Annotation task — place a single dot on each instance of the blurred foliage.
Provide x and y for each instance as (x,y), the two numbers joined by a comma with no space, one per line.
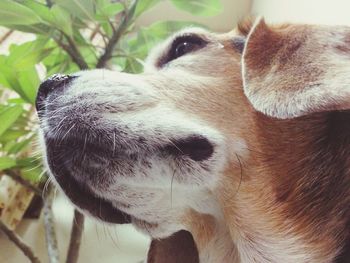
(69,35)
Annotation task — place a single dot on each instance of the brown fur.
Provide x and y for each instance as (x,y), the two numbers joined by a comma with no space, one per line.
(276,116)
(296,181)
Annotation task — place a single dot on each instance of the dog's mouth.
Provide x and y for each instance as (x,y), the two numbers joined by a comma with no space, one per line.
(84,199)
(81,168)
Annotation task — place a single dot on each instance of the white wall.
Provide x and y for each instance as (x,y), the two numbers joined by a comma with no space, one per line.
(308,11)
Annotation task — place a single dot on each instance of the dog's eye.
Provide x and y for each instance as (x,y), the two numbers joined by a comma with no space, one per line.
(184,45)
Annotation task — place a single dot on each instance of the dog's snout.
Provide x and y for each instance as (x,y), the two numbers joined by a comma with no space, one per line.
(54,83)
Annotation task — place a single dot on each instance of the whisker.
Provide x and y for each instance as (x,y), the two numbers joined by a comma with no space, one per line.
(84,146)
(171,189)
(58,125)
(97,234)
(172,143)
(111,237)
(68,131)
(241,177)
(113,143)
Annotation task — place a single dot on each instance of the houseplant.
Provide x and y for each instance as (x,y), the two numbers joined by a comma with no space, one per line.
(68,36)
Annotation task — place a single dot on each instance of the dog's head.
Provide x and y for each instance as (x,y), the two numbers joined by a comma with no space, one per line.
(165,149)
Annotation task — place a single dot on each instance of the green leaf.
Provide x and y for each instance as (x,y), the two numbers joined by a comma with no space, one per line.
(60,67)
(28,54)
(55,57)
(3,80)
(31,169)
(29,82)
(27,162)
(107,28)
(41,29)
(61,19)
(33,174)
(16,101)
(7,146)
(11,135)
(144,5)
(12,80)
(133,66)
(19,146)
(8,116)
(38,8)
(106,10)
(13,13)
(18,68)
(199,7)
(83,9)
(6,163)
(89,56)
(25,82)
(119,63)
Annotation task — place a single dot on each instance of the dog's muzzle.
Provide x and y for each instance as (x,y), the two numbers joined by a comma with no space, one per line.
(55,83)
(77,193)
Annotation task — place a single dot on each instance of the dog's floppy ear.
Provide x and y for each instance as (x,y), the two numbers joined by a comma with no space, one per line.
(178,248)
(294,70)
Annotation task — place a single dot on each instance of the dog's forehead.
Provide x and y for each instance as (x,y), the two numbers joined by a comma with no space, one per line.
(159,50)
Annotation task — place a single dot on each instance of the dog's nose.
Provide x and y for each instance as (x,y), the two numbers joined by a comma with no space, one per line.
(54,83)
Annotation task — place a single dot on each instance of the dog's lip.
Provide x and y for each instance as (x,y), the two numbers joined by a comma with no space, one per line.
(87,201)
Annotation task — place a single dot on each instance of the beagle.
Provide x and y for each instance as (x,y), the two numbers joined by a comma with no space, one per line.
(228,148)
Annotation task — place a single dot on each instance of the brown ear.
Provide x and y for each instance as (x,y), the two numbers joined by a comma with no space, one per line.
(294,70)
(178,248)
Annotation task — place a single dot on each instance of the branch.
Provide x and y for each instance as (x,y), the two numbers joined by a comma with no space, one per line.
(71,49)
(48,3)
(107,55)
(15,175)
(50,234)
(6,36)
(75,237)
(94,33)
(73,52)
(27,251)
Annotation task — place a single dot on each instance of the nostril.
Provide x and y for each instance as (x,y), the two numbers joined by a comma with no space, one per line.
(55,82)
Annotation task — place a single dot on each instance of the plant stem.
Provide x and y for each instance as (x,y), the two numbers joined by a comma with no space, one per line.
(5,36)
(73,52)
(78,219)
(113,41)
(75,237)
(15,175)
(50,233)
(94,33)
(48,3)
(27,251)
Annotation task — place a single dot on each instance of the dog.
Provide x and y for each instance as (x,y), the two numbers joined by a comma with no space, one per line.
(229,147)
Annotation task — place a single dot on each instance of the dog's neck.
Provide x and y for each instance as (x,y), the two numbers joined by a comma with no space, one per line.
(293,203)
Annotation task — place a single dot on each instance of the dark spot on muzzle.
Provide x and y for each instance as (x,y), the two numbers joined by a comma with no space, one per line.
(198,148)
(55,83)
(85,200)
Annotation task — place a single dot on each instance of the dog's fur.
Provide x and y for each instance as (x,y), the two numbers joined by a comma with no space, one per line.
(272,103)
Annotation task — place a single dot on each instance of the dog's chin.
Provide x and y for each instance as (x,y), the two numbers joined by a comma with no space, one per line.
(85,200)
